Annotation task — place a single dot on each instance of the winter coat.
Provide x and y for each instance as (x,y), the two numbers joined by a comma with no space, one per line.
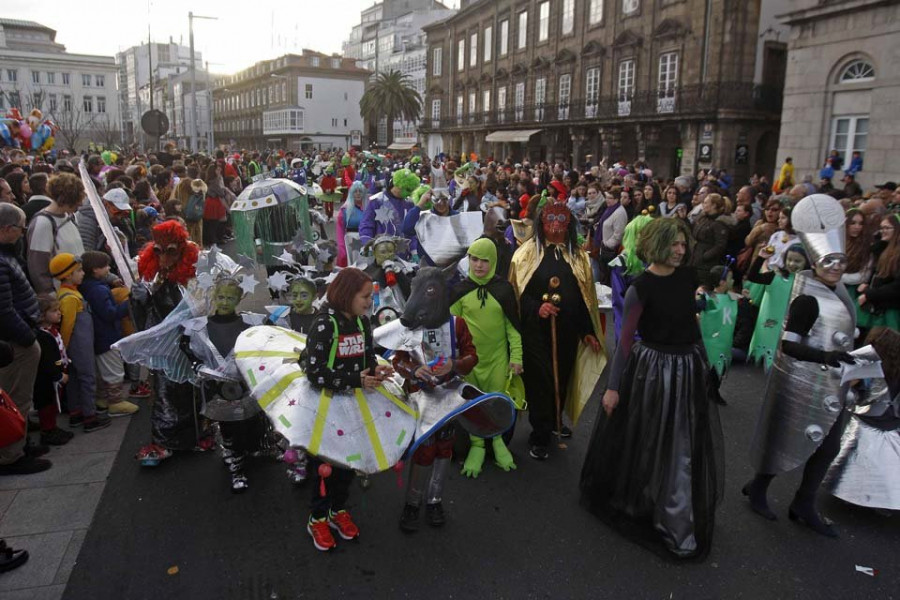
(19,311)
(711,235)
(107,315)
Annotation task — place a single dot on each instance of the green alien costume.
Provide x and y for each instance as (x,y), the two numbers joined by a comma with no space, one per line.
(488,305)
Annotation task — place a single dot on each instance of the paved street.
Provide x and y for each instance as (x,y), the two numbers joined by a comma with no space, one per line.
(521,534)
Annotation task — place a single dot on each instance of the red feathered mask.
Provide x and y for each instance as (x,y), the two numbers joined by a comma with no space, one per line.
(170,238)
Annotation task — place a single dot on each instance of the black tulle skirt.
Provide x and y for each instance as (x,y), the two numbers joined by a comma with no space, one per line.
(654,469)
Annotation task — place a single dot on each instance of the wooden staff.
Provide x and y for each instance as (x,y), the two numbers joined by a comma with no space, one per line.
(555,299)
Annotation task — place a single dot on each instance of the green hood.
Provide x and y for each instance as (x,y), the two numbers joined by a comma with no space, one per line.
(485,250)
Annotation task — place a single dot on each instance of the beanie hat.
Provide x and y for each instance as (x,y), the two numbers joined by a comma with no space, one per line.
(62,265)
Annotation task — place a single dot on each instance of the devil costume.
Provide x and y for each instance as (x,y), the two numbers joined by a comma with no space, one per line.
(803,416)
(534,265)
(653,469)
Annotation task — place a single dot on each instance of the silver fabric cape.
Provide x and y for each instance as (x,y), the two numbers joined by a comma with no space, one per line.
(447,239)
(867,470)
(804,399)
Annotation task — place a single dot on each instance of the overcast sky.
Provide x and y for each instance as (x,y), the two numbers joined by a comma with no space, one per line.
(245,32)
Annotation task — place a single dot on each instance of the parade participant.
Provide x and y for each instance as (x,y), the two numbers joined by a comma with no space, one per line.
(208,342)
(653,467)
(495,225)
(803,414)
(348,174)
(551,276)
(866,470)
(624,270)
(329,185)
(340,356)
(390,276)
(445,354)
(386,211)
(717,321)
(348,220)
(778,284)
(371,178)
(484,301)
(434,202)
(165,266)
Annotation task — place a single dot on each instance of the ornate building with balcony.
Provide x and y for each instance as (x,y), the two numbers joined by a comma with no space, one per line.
(293,102)
(682,84)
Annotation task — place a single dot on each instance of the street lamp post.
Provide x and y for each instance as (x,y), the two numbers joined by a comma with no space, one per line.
(191,17)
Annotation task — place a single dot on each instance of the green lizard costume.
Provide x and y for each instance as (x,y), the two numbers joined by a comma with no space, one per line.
(772,311)
(489,307)
(717,326)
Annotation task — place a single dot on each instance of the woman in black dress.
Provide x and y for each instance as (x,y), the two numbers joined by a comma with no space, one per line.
(653,467)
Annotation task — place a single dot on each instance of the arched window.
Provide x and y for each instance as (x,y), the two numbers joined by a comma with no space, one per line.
(857,71)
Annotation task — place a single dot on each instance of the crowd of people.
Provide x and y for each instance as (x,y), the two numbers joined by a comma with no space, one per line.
(699,270)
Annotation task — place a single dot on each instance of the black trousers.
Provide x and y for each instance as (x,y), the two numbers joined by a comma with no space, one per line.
(337,488)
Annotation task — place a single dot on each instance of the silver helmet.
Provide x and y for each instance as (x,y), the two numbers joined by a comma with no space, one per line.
(818,221)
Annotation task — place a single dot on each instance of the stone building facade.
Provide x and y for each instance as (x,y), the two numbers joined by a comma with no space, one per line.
(842,88)
(674,82)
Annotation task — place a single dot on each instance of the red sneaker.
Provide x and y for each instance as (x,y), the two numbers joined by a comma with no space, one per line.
(141,390)
(321,534)
(341,522)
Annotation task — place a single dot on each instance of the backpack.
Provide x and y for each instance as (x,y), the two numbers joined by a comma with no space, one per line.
(193,211)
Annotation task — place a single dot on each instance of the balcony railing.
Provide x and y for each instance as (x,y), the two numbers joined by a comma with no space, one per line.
(684,101)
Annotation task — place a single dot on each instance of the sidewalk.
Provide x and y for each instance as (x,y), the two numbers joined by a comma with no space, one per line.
(49,513)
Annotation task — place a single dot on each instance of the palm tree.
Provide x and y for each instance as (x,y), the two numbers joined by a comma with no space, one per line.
(391,95)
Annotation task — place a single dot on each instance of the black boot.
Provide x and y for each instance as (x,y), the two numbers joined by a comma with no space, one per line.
(803,510)
(409,520)
(756,490)
(10,559)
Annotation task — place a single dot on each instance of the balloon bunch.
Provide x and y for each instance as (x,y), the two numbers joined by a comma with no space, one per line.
(32,133)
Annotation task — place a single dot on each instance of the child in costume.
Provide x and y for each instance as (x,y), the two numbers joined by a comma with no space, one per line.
(867,470)
(329,184)
(445,354)
(51,374)
(391,275)
(208,342)
(77,332)
(488,305)
(717,320)
(386,210)
(774,301)
(165,267)
(340,356)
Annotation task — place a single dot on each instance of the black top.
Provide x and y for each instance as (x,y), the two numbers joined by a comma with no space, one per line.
(669,308)
(663,309)
(354,351)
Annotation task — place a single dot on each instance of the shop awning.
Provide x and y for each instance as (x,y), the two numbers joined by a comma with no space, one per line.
(402,146)
(517,135)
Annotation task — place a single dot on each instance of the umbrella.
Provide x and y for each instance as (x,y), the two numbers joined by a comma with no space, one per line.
(268,192)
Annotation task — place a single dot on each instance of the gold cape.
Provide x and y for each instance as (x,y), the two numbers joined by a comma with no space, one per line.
(588,365)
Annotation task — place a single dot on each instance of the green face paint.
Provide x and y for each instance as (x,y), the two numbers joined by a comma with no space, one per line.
(226,298)
(383,252)
(302,299)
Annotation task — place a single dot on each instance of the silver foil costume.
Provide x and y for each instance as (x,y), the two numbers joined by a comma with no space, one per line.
(804,399)
(867,470)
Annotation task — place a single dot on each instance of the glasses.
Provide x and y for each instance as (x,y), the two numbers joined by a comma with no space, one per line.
(831,262)
(558,218)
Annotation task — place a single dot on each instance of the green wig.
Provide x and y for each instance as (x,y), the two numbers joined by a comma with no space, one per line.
(633,264)
(418,192)
(656,239)
(406,180)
